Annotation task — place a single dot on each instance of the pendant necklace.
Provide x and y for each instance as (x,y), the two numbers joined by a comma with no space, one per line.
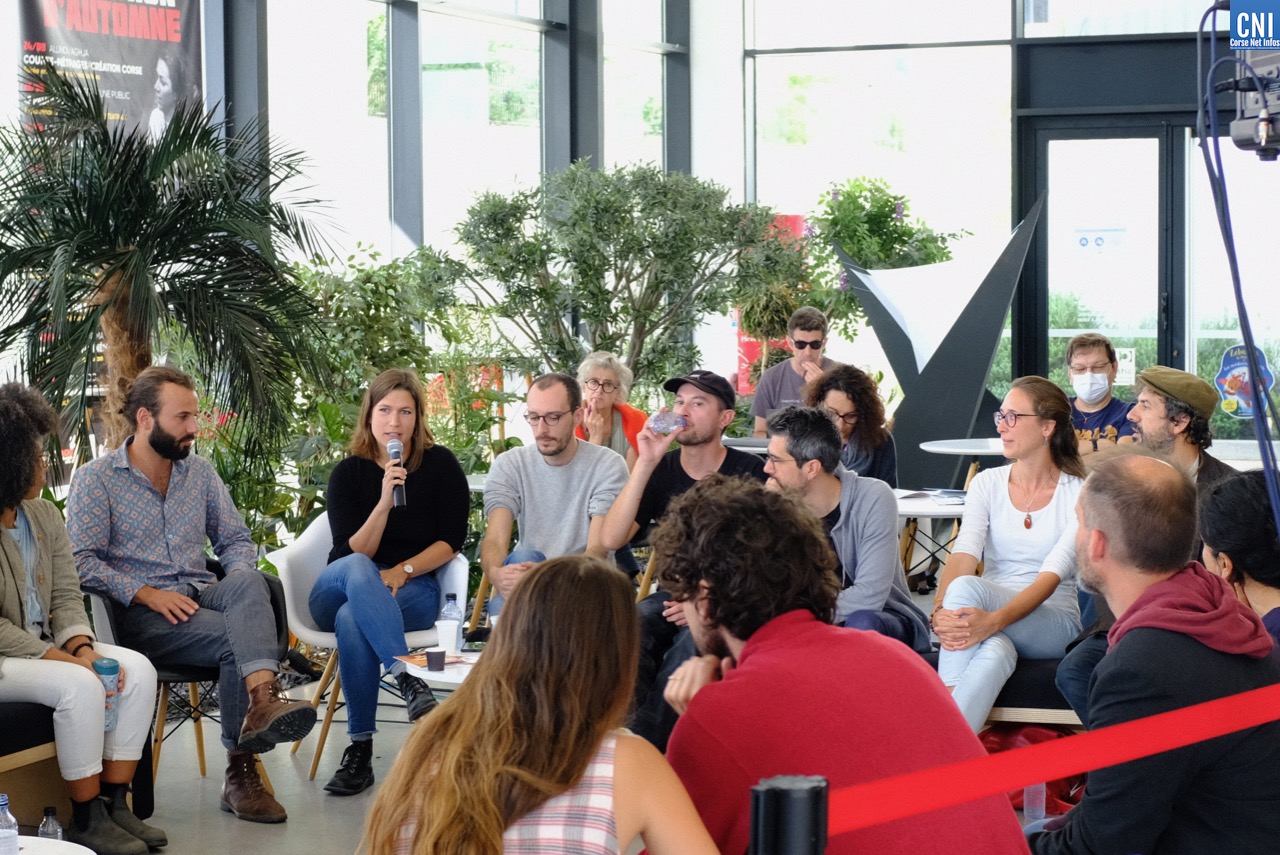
(1026,521)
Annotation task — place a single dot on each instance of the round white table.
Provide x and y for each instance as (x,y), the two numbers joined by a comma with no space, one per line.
(913,509)
(41,846)
(448,679)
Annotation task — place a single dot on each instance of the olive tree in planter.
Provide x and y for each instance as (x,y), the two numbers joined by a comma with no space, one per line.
(104,232)
(626,260)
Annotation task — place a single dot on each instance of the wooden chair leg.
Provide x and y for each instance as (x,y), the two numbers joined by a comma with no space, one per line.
(328,720)
(907,544)
(330,669)
(157,739)
(482,594)
(646,582)
(262,773)
(193,692)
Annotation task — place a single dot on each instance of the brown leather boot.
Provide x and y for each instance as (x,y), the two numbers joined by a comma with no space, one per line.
(272,718)
(243,793)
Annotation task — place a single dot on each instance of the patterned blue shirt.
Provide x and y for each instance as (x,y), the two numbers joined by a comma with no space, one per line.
(125,535)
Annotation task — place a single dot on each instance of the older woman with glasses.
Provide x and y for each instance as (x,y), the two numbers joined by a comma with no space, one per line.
(852,400)
(606,417)
(1020,521)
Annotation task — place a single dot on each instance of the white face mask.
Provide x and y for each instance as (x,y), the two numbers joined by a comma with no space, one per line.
(1090,388)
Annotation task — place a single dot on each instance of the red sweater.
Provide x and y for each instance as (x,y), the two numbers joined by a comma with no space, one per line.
(812,699)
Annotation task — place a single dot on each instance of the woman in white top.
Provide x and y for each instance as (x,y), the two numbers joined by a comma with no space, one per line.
(1020,521)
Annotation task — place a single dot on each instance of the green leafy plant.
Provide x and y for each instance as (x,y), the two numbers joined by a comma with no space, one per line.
(873,226)
(625,260)
(109,239)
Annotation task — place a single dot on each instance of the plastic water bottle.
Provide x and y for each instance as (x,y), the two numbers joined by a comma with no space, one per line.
(452,611)
(1033,802)
(665,421)
(50,828)
(8,828)
(108,671)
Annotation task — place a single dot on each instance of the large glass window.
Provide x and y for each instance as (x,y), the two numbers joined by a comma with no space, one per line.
(481,115)
(823,118)
(1102,231)
(786,23)
(319,58)
(1213,323)
(632,81)
(1106,17)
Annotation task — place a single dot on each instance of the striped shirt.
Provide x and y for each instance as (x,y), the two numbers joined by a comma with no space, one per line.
(579,821)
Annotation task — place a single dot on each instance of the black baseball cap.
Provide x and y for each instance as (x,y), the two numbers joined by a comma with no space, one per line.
(708,381)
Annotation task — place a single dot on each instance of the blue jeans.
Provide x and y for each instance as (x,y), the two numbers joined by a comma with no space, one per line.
(887,623)
(234,629)
(1075,671)
(518,556)
(979,673)
(350,599)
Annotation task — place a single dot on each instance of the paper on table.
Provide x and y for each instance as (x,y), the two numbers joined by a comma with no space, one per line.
(420,659)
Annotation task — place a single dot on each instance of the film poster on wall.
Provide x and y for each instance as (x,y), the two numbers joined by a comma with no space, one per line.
(144,55)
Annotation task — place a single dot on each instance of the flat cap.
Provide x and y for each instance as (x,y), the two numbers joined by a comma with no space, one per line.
(1181,386)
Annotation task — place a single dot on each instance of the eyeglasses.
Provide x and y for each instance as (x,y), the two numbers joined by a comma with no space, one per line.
(1096,368)
(593,384)
(775,459)
(848,418)
(801,345)
(552,419)
(1010,418)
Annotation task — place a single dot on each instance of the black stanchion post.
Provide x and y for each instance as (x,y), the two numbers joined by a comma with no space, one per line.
(789,816)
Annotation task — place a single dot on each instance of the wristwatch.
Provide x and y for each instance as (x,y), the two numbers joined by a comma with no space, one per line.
(408,569)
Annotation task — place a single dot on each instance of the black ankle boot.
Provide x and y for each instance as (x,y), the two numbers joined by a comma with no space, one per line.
(355,775)
(418,699)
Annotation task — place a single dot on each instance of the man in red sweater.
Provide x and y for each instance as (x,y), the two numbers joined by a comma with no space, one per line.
(780,691)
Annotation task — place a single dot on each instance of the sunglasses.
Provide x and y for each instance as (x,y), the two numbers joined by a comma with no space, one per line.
(801,345)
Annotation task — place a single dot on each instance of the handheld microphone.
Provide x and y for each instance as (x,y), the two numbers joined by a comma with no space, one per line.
(395,448)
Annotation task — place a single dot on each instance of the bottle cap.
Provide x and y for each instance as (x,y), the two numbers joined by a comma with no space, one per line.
(50,811)
(106,667)
(448,597)
(4,800)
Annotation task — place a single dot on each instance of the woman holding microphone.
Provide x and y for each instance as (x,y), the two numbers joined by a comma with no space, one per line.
(398,512)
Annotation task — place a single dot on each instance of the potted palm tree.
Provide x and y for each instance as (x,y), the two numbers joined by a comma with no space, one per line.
(109,240)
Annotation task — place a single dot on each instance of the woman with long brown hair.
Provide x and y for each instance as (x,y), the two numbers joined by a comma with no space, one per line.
(381,577)
(1020,521)
(528,750)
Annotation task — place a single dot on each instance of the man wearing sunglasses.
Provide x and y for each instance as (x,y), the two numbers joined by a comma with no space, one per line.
(558,489)
(780,386)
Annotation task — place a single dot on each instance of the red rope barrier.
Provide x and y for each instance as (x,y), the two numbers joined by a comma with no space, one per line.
(906,795)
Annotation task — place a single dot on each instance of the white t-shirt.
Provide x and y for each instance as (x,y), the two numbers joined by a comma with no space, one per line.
(993,531)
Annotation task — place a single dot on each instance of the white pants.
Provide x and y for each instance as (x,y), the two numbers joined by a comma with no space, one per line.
(79,706)
(978,673)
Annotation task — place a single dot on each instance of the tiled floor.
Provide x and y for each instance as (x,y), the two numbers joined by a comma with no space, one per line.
(187,806)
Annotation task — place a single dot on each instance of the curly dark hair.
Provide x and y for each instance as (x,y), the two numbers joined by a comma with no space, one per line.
(1199,432)
(870,432)
(761,554)
(25,417)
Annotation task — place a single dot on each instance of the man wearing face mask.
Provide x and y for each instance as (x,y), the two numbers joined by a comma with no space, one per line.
(1097,416)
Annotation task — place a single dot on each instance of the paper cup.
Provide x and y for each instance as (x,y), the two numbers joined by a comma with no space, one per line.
(435,659)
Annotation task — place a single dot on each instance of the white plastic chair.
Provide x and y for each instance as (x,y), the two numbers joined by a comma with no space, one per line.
(299,565)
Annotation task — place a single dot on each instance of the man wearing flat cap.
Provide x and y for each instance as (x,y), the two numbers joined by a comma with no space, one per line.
(1171,420)
(705,401)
